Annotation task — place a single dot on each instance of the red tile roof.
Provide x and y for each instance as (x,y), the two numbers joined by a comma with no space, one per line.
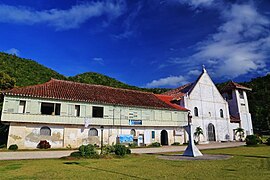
(73,91)
(168,99)
(232,85)
(179,92)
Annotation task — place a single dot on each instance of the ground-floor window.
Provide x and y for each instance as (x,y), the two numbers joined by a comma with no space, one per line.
(45,131)
(93,132)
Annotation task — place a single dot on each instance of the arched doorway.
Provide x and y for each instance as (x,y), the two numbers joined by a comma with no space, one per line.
(211,132)
(164,137)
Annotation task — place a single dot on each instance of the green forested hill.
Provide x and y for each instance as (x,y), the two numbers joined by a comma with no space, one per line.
(259,102)
(96,78)
(26,72)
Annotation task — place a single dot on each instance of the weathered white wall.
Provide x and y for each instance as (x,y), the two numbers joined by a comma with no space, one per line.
(62,136)
(206,97)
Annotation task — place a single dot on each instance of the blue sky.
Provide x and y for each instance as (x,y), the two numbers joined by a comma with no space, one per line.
(147,43)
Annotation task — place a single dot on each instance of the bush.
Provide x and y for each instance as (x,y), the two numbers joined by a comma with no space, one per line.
(44,145)
(132,145)
(155,144)
(76,154)
(121,150)
(176,144)
(128,151)
(88,151)
(13,147)
(108,149)
(252,140)
(268,141)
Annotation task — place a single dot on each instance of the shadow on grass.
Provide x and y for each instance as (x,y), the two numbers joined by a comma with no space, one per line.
(104,170)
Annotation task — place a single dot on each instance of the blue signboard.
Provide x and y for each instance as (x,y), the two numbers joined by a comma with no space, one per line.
(126,138)
(135,122)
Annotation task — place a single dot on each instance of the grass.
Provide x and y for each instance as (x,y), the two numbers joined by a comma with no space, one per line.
(246,163)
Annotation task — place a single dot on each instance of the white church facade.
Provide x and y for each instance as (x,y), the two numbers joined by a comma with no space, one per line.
(219,114)
(69,114)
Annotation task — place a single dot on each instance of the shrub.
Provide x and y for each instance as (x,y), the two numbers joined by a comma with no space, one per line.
(132,145)
(108,149)
(155,144)
(120,149)
(76,154)
(268,141)
(176,144)
(252,140)
(3,146)
(44,145)
(88,151)
(13,147)
(128,151)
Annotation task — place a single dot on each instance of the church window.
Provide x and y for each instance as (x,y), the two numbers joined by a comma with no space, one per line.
(196,112)
(241,94)
(93,132)
(45,131)
(221,113)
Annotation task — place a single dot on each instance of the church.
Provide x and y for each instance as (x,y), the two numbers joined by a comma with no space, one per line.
(69,114)
(218,113)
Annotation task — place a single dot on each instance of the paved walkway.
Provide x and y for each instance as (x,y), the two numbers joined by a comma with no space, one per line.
(58,154)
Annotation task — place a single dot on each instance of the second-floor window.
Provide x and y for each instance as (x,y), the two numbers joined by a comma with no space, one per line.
(50,108)
(77,110)
(22,107)
(221,113)
(241,94)
(97,112)
(196,112)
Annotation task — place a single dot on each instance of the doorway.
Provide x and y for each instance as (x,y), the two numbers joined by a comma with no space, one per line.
(164,137)
(211,132)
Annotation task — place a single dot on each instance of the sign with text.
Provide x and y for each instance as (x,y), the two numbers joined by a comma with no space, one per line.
(135,122)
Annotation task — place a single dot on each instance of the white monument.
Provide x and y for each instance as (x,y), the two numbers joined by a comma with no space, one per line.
(191,149)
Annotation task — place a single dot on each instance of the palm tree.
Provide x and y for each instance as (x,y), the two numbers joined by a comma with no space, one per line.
(240,131)
(198,132)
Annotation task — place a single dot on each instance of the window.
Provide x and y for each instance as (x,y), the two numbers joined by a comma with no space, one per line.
(153,134)
(133,132)
(241,94)
(22,107)
(77,110)
(221,113)
(93,132)
(196,112)
(45,131)
(97,112)
(50,108)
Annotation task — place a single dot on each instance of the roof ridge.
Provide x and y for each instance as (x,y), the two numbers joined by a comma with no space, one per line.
(99,85)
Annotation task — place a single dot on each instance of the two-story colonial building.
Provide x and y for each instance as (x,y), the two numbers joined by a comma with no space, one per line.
(71,114)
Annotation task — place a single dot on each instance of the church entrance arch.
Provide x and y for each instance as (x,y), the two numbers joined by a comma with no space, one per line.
(211,132)
(164,137)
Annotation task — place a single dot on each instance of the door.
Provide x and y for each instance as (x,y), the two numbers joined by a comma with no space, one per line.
(211,132)
(164,137)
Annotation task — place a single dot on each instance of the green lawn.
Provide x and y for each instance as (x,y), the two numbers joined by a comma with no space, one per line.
(247,163)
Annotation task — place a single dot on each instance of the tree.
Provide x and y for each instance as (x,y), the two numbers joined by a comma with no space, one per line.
(198,132)
(240,132)
(6,82)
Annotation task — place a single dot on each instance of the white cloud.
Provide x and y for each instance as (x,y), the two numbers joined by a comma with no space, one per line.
(194,72)
(13,51)
(197,3)
(98,60)
(171,81)
(61,19)
(240,45)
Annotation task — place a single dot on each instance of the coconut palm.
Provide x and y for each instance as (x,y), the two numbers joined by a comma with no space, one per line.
(240,132)
(198,132)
